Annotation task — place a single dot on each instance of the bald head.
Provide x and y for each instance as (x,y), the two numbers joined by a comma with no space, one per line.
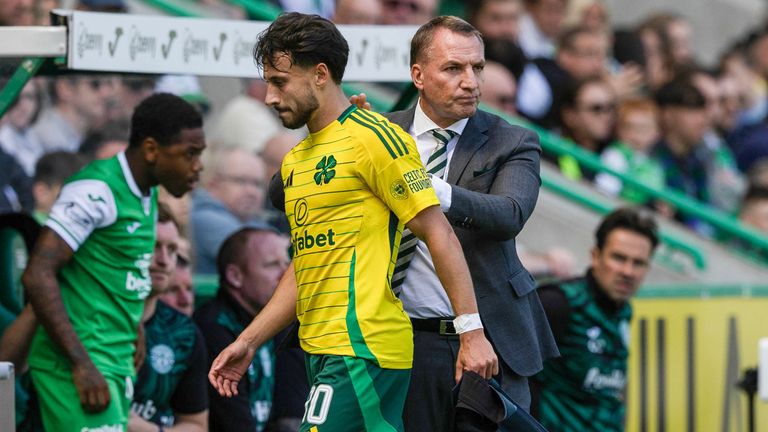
(499,88)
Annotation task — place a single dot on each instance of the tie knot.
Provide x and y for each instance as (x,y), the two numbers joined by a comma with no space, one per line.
(443,135)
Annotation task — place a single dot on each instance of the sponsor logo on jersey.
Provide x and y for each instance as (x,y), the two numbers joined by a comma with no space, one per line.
(595,345)
(307,240)
(162,358)
(145,410)
(325,170)
(599,381)
(141,283)
(300,212)
(399,190)
(104,428)
(417,180)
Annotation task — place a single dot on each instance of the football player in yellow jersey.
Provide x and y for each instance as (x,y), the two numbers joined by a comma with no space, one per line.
(349,187)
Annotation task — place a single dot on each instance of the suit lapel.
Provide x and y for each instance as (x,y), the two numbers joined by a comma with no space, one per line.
(473,138)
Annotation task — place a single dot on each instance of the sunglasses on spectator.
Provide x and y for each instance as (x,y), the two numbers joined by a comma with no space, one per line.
(599,108)
(411,5)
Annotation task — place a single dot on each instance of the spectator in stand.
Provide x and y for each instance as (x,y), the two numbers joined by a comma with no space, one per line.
(15,186)
(726,184)
(659,66)
(684,121)
(51,171)
(129,91)
(245,121)
(408,12)
(732,105)
(17,13)
(674,33)
(496,19)
(582,54)
(170,390)
(591,14)
(637,131)
(541,26)
(357,12)
(181,292)
(588,118)
(16,138)
(754,208)
(275,150)
(499,23)
(250,264)
(79,106)
(232,197)
(107,141)
(498,89)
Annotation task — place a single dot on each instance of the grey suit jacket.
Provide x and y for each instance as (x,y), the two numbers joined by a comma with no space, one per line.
(494,176)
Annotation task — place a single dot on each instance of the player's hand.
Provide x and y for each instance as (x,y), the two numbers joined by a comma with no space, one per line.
(141,348)
(230,366)
(476,354)
(360,100)
(91,387)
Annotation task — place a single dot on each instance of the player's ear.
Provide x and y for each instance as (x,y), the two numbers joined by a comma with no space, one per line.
(150,148)
(233,276)
(417,76)
(322,74)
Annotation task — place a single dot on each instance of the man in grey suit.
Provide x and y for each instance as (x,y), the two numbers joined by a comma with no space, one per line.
(487,190)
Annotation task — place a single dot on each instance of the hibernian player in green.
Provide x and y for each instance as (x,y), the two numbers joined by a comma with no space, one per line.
(88,274)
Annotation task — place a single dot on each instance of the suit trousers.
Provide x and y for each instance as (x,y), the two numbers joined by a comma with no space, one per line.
(429,406)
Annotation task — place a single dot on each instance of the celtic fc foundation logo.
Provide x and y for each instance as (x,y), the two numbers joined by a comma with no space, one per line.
(325,172)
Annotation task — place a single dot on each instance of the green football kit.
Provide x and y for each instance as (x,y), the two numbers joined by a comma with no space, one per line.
(110,227)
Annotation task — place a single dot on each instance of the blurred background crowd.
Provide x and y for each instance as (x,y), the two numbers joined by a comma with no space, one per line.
(635,96)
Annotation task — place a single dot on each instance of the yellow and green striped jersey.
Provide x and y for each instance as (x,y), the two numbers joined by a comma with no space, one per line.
(348,190)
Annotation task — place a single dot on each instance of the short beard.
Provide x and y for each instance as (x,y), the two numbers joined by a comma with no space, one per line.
(303,114)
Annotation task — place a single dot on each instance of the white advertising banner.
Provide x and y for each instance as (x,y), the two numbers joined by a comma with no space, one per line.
(152,44)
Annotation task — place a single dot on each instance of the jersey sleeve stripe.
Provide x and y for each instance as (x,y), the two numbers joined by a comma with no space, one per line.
(381,127)
(384,125)
(381,138)
(63,232)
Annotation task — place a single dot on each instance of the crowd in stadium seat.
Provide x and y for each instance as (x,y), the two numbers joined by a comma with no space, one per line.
(634,97)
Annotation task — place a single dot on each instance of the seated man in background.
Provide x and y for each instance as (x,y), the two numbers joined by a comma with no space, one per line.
(232,197)
(250,263)
(170,390)
(51,171)
(181,292)
(584,388)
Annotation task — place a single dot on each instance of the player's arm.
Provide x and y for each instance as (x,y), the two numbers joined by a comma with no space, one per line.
(50,254)
(229,366)
(14,345)
(500,210)
(475,353)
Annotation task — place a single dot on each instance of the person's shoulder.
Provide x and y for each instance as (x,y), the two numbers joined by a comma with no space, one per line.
(206,315)
(496,124)
(376,133)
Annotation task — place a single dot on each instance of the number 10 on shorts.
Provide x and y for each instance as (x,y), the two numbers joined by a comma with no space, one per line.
(317,404)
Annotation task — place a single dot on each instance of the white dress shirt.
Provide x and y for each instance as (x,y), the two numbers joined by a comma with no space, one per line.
(422,293)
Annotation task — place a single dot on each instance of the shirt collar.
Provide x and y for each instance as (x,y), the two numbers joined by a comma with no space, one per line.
(129,175)
(423,124)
